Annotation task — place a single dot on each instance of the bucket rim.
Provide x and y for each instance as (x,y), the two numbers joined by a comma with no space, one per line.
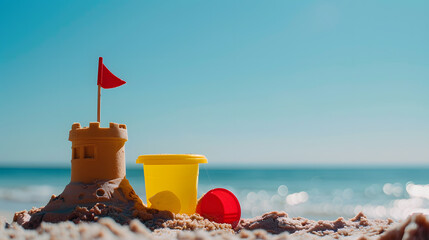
(171,159)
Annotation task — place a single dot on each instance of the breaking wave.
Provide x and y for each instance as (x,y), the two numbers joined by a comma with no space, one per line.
(28,194)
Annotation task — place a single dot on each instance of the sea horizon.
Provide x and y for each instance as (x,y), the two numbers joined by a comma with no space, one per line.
(246,166)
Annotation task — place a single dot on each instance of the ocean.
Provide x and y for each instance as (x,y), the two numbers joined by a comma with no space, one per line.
(311,193)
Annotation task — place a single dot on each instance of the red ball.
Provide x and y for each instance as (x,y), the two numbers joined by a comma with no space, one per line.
(221,206)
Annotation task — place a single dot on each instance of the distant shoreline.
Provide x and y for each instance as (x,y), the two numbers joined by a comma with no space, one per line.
(255,167)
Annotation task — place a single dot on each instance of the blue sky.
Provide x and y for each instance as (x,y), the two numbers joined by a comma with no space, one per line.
(243,82)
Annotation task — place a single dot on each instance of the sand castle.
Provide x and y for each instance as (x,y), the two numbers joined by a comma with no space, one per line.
(98,185)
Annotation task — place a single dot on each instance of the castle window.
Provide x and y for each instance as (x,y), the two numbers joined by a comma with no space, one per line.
(76,153)
(88,151)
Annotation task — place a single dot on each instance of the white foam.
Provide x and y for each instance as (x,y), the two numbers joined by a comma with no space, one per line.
(28,194)
(376,201)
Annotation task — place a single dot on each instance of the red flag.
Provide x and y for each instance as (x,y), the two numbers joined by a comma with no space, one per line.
(106,79)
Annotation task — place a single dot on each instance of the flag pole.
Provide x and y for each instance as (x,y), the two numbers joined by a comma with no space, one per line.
(98,103)
(100,73)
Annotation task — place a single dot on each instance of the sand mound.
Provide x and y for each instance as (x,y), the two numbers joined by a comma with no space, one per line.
(115,199)
(278,222)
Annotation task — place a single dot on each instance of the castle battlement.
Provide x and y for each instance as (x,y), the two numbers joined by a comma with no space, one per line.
(94,131)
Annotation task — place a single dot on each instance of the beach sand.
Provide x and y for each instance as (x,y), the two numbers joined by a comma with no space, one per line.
(273,225)
(6,216)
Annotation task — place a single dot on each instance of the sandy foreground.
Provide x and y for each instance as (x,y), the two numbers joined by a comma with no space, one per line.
(273,225)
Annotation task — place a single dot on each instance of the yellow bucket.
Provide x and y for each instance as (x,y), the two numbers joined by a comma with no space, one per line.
(171,181)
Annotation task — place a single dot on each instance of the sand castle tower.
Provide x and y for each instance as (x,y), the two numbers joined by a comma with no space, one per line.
(97,153)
